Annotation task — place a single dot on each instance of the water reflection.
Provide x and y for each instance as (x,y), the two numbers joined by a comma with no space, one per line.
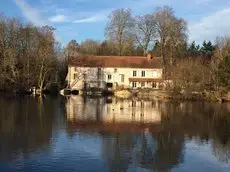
(96,134)
(166,128)
(25,126)
(113,114)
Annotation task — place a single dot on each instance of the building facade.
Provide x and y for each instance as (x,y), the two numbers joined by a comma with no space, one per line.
(115,72)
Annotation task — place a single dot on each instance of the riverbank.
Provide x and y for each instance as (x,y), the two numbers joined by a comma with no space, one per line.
(171,95)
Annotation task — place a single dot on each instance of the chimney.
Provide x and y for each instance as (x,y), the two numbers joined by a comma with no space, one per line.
(149,56)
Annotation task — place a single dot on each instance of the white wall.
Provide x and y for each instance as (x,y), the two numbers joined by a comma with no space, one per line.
(128,73)
(91,75)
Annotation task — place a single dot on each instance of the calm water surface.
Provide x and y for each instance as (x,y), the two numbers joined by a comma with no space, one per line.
(86,134)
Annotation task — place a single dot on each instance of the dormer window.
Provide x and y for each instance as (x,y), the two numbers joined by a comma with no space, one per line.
(143,73)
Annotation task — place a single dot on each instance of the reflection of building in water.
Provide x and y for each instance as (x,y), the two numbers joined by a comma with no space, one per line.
(131,111)
(82,108)
(119,111)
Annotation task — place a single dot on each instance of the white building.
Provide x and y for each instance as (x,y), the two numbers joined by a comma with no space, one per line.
(115,72)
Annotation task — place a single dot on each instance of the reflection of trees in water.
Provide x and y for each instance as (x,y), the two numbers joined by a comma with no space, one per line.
(161,151)
(207,121)
(222,152)
(25,125)
(169,151)
(221,139)
(116,150)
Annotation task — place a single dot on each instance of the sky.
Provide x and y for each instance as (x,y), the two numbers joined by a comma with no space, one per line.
(82,19)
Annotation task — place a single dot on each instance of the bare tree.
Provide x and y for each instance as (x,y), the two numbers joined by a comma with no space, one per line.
(145,28)
(222,50)
(72,48)
(89,47)
(170,32)
(191,74)
(120,27)
(10,34)
(46,56)
(107,48)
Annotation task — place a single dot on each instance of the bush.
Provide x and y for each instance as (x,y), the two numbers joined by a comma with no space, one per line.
(224,72)
(212,95)
(176,90)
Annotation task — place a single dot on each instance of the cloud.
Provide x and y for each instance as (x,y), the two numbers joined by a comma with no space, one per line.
(58,18)
(101,16)
(91,19)
(209,27)
(32,14)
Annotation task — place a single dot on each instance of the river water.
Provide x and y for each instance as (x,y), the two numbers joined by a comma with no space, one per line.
(97,134)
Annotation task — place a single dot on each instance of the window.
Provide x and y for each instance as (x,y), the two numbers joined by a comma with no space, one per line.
(143,73)
(115,70)
(134,73)
(109,77)
(75,76)
(155,74)
(75,69)
(109,85)
(134,84)
(154,85)
(122,77)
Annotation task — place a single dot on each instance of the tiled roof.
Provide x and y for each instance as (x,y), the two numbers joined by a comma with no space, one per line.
(117,61)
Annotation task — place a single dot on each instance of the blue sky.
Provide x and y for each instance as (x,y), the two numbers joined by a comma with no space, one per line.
(81,19)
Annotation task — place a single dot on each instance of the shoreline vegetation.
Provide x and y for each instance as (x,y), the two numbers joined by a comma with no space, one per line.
(170,95)
(30,55)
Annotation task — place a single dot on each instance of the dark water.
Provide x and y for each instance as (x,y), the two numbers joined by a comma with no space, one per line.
(83,134)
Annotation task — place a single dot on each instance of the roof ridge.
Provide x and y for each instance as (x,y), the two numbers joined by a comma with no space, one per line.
(117,61)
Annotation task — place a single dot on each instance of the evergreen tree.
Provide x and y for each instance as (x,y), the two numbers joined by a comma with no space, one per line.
(193,50)
(207,49)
